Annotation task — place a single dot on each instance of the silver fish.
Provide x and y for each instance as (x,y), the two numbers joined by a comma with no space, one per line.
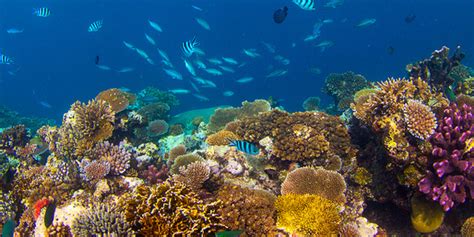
(173,74)
(227,69)
(142,53)
(230,60)
(334,3)
(366,22)
(14,31)
(194,87)
(190,67)
(104,67)
(180,91)
(128,45)
(324,45)
(163,55)
(213,71)
(155,26)
(270,48)
(167,63)
(126,69)
(200,64)
(245,80)
(277,73)
(215,61)
(201,97)
(228,93)
(203,23)
(149,39)
(251,53)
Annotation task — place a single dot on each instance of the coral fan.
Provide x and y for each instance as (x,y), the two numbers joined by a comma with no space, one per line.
(306,180)
(193,175)
(247,209)
(101,220)
(307,215)
(117,99)
(420,120)
(452,179)
(117,156)
(343,86)
(170,209)
(221,138)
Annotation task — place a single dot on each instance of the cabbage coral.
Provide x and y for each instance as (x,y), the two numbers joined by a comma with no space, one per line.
(420,120)
(306,180)
(170,209)
(307,215)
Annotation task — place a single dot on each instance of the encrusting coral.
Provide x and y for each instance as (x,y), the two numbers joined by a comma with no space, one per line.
(325,183)
(101,220)
(249,210)
(170,209)
(307,215)
(467,229)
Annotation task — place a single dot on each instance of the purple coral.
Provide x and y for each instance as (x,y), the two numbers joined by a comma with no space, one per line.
(154,175)
(452,177)
(117,156)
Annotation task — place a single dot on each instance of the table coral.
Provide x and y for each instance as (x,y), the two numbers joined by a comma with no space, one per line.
(117,99)
(307,215)
(170,209)
(249,210)
(450,179)
(306,180)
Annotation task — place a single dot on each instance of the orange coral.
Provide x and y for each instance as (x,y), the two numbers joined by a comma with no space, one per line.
(221,138)
(118,100)
(420,120)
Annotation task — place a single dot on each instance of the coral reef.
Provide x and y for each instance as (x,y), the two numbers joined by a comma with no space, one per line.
(9,118)
(249,210)
(450,180)
(118,157)
(117,99)
(12,137)
(307,215)
(101,220)
(343,86)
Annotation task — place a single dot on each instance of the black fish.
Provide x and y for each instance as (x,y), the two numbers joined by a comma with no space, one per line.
(97,59)
(410,18)
(391,50)
(49,215)
(280,15)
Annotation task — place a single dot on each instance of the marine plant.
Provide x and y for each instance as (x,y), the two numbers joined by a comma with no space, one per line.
(307,214)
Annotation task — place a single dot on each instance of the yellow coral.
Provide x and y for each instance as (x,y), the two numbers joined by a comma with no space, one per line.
(467,229)
(307,215)
(426,216)
(221,138)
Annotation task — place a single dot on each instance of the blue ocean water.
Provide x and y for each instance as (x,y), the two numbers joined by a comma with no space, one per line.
(54,56)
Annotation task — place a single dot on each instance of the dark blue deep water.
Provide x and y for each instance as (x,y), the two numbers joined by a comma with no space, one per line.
(54,56)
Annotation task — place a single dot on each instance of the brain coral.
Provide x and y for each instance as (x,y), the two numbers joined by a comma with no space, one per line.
(420,120)
(101,220)
(298,136)
(306,180)
(307,215)
(170,209)
(247,209)
(117,99)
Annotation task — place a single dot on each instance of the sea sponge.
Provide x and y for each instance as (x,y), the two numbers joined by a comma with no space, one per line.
(117,99)
(426,216)
(307,215)
(249,210)
(467,229)
(101,220)
(420,120)
(157,128)
(311,103)
(193,175)
(183,161)
(118,157)
(306,180)
(168,209)
(221,138)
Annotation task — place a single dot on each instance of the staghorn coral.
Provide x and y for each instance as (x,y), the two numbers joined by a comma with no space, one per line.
(117,99)
(184,160)
(306,180)
(467,229)
(221,138)
(58,230)
(298,136)
(157,128)
(343,86)
(307,215)
(193,175)
(249,210)
(450,178)
(101,220)
(117,156)
(170,209)
(420,120)
(311,103)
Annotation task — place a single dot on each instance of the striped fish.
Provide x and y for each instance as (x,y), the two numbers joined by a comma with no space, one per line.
(305,4)
(4,59)
(41,12)
(95,26)
(189,47)
(245,146)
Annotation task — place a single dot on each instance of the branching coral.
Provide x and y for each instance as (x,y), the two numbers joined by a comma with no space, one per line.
(154,175)
(117,99)
(101,220)
(249,210)
(307,215)
(221,138)
(193,175)
(170,209)
(451,179)
(298,136)
(306,180)
(96,169)
(420,120)
(343,86)
(117,156)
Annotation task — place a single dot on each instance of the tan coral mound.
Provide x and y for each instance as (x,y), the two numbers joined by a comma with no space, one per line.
(221,138)
(420,120)
(118,99)
(193,175)
(249,210)
(325,183)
